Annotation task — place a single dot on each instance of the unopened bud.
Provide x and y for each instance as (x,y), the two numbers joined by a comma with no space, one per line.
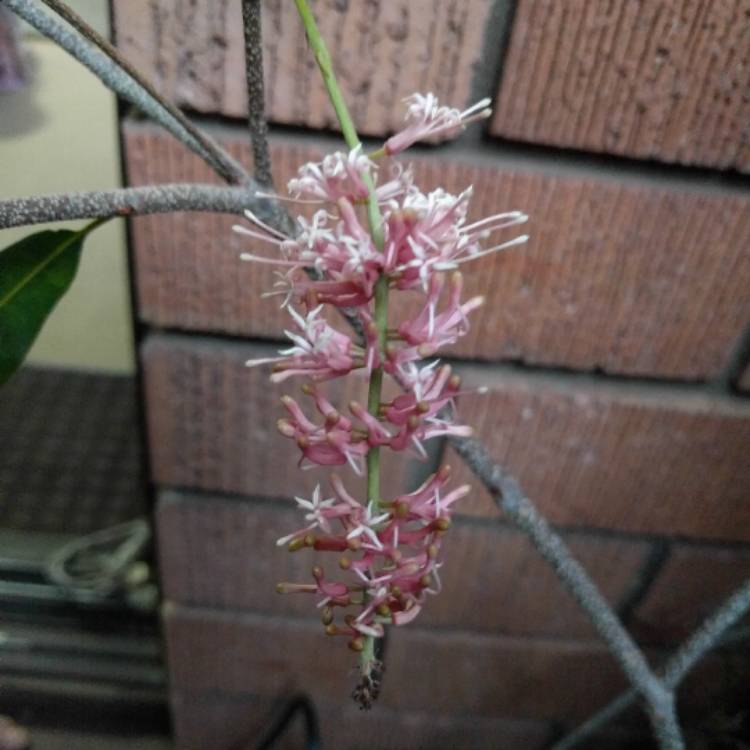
(357,644)
(402,509)
(317,572)
(327,616)
(296,544)
(442,524)
(345,563)
(285,427)
(383,609)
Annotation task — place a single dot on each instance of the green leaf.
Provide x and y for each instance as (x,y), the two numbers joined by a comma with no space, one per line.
(34,274)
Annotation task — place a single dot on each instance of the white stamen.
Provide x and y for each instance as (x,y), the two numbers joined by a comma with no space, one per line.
(262,224)
(255,235)
(270,261)
(510,243)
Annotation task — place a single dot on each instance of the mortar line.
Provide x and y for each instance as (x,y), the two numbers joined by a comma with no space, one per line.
(554,376)
(186,493)
(509,154)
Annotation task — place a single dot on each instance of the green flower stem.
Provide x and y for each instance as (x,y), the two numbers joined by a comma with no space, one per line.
(375,221)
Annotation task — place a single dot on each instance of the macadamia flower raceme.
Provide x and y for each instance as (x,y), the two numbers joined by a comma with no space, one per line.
(387,549)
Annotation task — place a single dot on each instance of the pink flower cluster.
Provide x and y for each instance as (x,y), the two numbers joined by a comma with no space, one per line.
(388,548)
(397,548)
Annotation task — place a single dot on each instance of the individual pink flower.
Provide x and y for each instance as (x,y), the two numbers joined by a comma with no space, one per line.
(426,502)
(331,444)
(425,118)
(319,351)
(432,389)
(417,430)
(339,175)
(428,233)
(438,329)
(319,513)
(366,527)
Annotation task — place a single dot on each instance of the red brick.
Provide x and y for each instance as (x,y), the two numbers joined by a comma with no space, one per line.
(653,80)
(381,51)
(643,459)
(440,672)
(212,421)
(694,581)
(621,277)
(222,554)
(223,722)
(229,722)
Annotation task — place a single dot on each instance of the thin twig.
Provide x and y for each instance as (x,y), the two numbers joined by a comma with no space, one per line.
(508,495)
(711,634)
(256,118)
(129,202)
(707,635)
(224,164)
(112,75)
(598,721)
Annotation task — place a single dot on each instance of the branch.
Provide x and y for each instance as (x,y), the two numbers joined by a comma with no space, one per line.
(708,636)
(508,496)
(152,199)
(256,118)
(224,164)
(598,721)
(110,71)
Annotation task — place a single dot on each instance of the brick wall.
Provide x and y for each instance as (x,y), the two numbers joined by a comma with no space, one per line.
(614,345)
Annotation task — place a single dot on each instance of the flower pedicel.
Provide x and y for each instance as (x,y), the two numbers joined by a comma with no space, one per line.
(388,549)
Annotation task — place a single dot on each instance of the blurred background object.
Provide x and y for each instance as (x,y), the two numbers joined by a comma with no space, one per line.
(12,75)
(80,665)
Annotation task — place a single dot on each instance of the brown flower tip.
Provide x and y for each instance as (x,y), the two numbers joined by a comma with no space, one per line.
(368,689)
